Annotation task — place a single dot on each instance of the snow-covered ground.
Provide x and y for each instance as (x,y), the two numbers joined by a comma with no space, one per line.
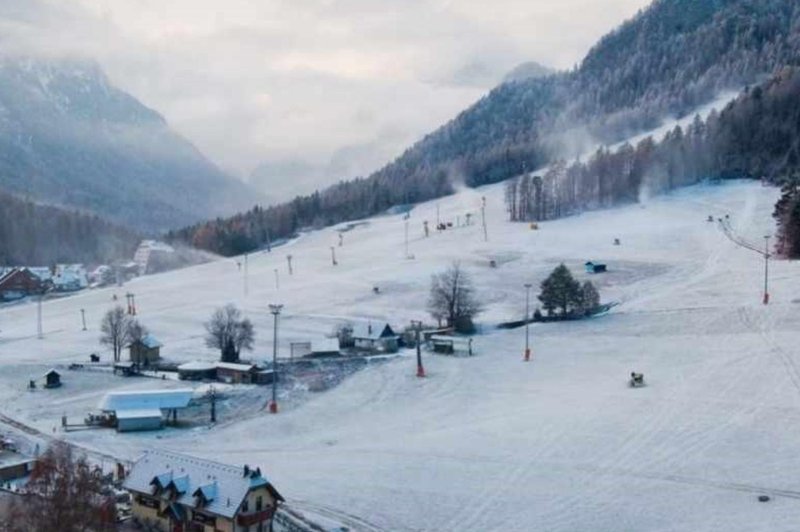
(490,442)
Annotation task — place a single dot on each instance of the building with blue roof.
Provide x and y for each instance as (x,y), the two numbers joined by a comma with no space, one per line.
(172,491)
(145,351)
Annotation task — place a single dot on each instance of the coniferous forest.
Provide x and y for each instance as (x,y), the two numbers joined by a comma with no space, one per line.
(39,235)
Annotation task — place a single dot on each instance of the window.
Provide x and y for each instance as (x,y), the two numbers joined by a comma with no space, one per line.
(259,503)
(245,506)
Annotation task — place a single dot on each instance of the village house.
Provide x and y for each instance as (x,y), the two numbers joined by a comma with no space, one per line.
(70,277)
(145,351)
(174,491)
(18,283)
(372,338)
(13,464)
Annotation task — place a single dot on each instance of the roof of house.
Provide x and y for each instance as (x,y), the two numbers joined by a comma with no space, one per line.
(13,459)
(18,271)
(197,366)
(146,400)
(366,331)
(52,372)
(224,487)
(236,367)
(149,341)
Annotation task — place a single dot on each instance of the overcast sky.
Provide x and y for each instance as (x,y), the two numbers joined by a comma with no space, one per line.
(320,88)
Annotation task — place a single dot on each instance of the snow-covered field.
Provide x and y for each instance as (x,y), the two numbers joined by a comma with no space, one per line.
(490,442)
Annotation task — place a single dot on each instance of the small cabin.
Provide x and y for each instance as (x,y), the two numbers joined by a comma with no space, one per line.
(368,337)
(595,267)
(145,351)
(52,379)
(236,373)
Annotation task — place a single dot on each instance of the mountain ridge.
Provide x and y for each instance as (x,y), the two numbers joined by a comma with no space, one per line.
(69,137)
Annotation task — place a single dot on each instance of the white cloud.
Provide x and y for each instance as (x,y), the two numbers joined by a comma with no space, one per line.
(310,80)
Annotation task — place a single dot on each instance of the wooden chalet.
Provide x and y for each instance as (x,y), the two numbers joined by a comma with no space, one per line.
(18,283)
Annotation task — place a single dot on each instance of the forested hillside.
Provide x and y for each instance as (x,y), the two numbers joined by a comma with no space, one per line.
(666,61)
(39,235)
(69,137)
(756,136)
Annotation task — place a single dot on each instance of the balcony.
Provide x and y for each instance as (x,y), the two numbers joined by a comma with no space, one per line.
(254,518)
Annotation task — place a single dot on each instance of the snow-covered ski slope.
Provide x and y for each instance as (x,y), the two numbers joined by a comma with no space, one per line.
(490,442)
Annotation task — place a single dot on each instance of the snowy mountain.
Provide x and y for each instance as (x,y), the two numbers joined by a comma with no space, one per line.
(69,137)
(669,61)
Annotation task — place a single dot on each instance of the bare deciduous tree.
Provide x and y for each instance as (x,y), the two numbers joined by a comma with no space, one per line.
(63,493)
(453,300)
(116,330)
(229,332)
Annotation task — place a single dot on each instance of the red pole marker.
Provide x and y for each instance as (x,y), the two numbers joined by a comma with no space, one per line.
(527,355)
(273,407)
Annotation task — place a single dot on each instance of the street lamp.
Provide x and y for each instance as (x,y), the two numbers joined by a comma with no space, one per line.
(417,327)
(273,405)
(527,321)
(83,318)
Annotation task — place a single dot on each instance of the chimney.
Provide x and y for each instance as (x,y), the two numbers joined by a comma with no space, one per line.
(246,470)
(369,328)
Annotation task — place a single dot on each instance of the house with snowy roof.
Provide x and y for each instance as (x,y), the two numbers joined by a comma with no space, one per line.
(17,283)
(145,351)
(172,491)
(375,338)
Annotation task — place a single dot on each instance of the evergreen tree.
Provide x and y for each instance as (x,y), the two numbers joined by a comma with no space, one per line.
(560,291)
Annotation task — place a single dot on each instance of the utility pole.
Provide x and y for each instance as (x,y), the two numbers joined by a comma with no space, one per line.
(333,256)
(483,218)
(212,393)
(405,223)
(39,329)
(417,328)
(341,239)
(83,318)
(269,242)
(277,282)
(289,261)
(275,310)
(527,321)
(766,269)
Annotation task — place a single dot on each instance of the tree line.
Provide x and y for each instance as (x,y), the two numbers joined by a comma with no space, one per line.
(34,234)
(756,136)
